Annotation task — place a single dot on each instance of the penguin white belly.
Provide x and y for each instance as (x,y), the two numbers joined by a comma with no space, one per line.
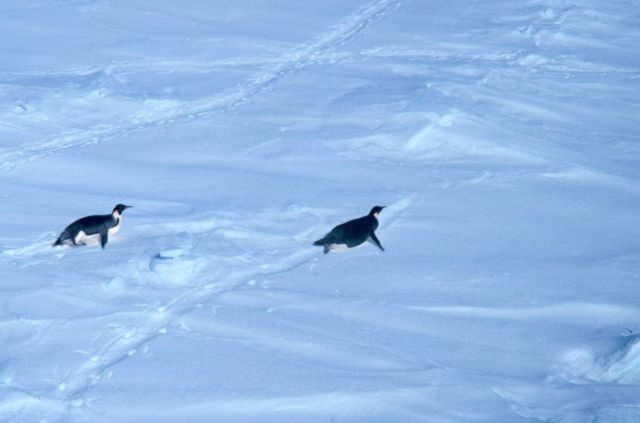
(339,248)
(116,228)
(83,238)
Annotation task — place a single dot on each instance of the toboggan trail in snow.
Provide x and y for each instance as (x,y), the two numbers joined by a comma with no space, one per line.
(121,347)
(187,111)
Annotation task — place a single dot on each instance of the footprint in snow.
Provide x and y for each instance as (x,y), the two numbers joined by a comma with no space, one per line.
(176,267)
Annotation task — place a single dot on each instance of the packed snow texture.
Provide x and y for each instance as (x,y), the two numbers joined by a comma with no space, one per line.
(502,135)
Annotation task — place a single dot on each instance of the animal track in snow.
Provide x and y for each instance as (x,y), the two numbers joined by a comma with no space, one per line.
(157,113)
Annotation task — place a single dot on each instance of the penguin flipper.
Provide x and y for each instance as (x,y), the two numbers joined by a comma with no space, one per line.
(104,238)
(375,240)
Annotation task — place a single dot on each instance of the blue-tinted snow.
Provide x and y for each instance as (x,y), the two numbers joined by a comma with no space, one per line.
(502,135)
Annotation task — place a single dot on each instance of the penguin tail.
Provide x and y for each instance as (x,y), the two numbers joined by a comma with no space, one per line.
(322,243)
(61,239)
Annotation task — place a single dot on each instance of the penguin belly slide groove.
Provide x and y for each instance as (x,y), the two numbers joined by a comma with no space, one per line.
(353,233)
(92,229)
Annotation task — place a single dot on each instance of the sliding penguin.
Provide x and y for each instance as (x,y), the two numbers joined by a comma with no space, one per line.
(353,233)
(91,229)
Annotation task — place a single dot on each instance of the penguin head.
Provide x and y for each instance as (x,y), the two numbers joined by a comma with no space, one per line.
(376,211)
(118,209)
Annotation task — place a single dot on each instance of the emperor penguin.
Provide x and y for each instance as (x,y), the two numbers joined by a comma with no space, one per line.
(91,229)
(353,233)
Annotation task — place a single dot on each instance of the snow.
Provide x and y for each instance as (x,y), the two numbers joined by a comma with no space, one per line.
(502,136)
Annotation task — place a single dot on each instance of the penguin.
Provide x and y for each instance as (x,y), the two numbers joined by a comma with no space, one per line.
(353,233)
(91,229)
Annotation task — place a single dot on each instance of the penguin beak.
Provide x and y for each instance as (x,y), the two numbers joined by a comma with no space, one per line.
(128,207)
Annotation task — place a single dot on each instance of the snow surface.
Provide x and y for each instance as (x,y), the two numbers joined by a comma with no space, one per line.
(503,135)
